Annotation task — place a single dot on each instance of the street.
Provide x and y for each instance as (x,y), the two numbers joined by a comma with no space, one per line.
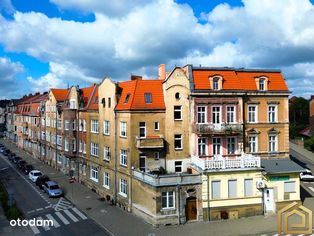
(68,219)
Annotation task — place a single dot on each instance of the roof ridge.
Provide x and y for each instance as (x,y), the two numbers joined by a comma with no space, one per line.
(134,91)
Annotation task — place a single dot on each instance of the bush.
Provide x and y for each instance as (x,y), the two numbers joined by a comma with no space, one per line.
(309,144)
(13,213)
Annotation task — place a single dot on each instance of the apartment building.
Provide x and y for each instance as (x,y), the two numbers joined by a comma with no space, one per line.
(312,115)
(10,118)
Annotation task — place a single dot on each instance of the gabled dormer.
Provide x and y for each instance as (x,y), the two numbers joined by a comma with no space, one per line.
(216,82)
(261,83)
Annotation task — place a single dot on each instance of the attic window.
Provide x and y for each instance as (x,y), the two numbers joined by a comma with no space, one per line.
(216,83)
(103,101)
(148,97)
(262,84)
(96,100)
(127,98)
(177,95)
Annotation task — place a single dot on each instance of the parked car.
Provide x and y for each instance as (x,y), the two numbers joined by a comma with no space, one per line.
(27,168)
(16,159)
(52,189)
(20,164)
(306,176)
(34,174)
(41,180)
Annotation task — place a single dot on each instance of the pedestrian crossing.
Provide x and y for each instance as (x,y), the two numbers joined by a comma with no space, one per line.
(63,204)
(59,218)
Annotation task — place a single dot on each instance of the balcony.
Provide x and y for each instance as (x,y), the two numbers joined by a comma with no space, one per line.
(167,179)
(245,161)
(222,128)
(150,142)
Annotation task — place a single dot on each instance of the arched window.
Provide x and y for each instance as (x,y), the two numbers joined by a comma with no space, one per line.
(177,95)
(262,84)
(216,83)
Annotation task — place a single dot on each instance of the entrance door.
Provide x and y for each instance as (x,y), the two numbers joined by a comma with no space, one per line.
(190,209)
(269,200)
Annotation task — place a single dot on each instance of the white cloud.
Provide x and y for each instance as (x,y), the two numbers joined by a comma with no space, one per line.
(127,38)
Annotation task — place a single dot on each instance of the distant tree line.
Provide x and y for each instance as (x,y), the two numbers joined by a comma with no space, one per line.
(298,115)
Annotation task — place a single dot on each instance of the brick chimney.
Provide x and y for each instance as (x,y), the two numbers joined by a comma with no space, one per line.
(162,72)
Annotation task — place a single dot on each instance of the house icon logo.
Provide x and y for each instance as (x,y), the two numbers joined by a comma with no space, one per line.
(297,211)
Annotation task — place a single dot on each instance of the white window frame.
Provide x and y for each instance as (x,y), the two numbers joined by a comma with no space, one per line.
(273,143)
(261,84)
(272,115)
(214,115)
(80,125)
(216,84)
(94,128)
(66,145)
(80,146)
(251,142)
(156,128)
(178,109)
(94,149)
(123,129)
(66,125)
(231,114)
(201,114)
(123,187)
(74,145)
(167,196)
(123,157)
(215,145)
(106,127)
(106,153)
(72,104)
(178,164)
(176,139)
(84,148)
(84,125)
(202,143)
(94,173)
(252,114)
(106,180)
(141,126)
(230,143)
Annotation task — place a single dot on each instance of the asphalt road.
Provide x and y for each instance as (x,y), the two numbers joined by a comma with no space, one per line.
(68,220)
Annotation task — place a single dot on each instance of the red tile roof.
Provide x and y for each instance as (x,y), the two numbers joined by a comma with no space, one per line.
(234,79)
(94,100)
(29,105)
(60,94)
(136,89)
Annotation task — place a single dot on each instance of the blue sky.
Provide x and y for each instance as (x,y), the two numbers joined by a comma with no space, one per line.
(55,43)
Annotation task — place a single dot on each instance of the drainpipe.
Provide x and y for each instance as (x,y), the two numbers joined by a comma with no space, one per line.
(244,98)
(208,209)
(115,156)
(77,144)
(179,205)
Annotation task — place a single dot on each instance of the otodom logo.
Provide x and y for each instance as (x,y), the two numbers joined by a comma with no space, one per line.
(304,215)
(31,222)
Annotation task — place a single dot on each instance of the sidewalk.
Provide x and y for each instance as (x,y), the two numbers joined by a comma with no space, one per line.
(119,222)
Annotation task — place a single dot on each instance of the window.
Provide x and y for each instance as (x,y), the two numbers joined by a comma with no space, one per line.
(59,140)
(156,155)
(216,115)
(272,143)
(66,145)
(178,141)
(73,145)
(109,102)
(216,84)
(94,149)
(94,173)
(272,113)
(123,188)
(72,104)
(74,125)
(252,144)
(230,114)
(201,115)
(94,126)
(148,97)
(142,126)
(106,180)
(142,160)
(178,166)
(231,146)
(177,113)
(123,129)
(66,125)
(202,150)
(126,100)
(167,200)
(59,124)
(80,146)
(123,157)
(107,153)
(252,114)
(177,95)
(84,148)
(106,127)
(232,188)
(248,187)
(156,127)
(262,84)
(96,100)
(80,125)
(216,146)
(84,125)
(289,186)
(216,189)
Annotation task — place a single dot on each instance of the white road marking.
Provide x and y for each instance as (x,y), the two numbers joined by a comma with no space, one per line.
(39,209)
(55,223)
(62,218)
(79,213)
(312,189)
(48,206)
(34,229)
(69,214)
(46,228)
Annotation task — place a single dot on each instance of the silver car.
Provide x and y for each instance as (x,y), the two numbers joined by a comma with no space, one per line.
(34,174)
(53,189)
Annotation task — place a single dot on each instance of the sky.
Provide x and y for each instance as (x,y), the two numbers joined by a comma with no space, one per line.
(59,43)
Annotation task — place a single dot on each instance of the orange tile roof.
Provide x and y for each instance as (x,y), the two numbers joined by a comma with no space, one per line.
(29,105)
(94,100)
(234,79)
(87,93)
(136,90)
(60,94)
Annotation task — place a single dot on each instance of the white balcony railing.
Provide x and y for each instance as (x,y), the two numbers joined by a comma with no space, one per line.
(219,128)
(218,162)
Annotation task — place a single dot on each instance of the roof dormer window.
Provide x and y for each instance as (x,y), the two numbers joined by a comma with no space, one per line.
(148,97)
(127,98)
(216,84)
(262,84)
